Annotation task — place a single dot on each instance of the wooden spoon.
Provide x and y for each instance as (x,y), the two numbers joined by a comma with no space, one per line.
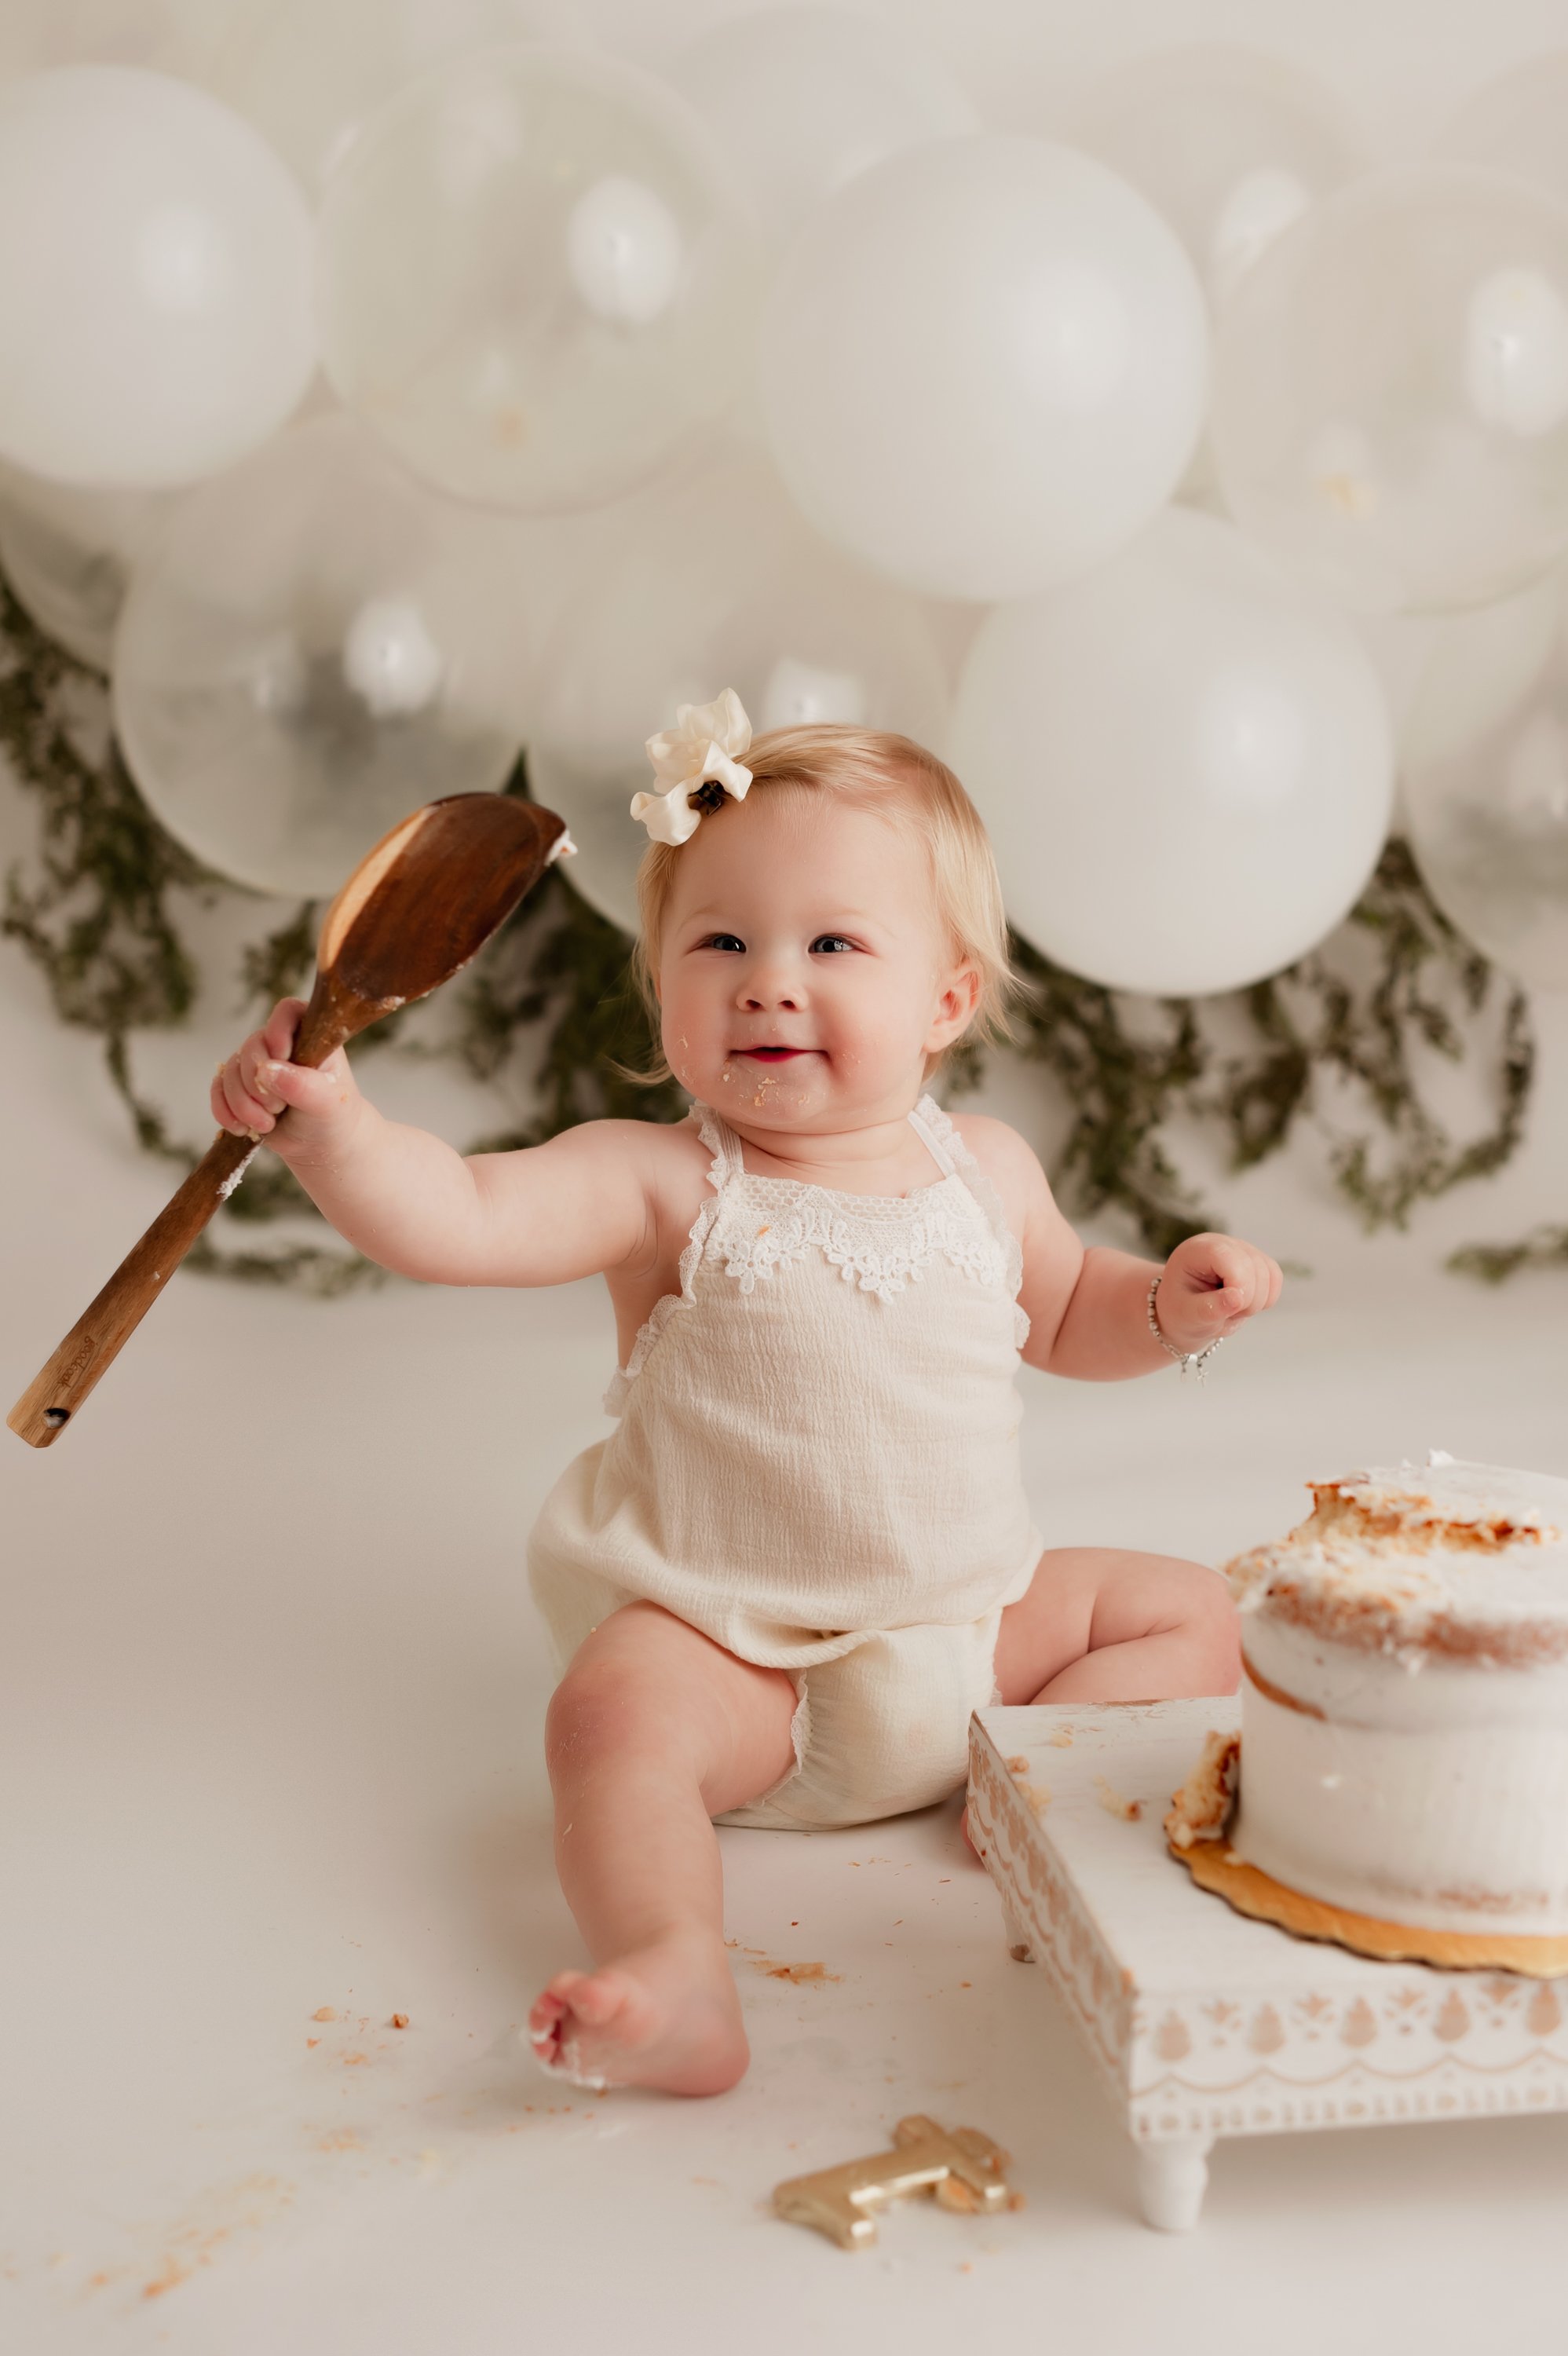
(411,915)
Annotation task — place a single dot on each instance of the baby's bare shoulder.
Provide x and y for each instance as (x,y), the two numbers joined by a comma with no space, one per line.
(657,1154)
(1009,1162)
(997,1147)
(668,1157)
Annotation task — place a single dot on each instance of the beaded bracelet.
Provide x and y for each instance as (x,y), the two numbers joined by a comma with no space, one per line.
(1197,1359)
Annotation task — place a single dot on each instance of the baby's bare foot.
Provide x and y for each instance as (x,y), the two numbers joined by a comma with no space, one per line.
(665,2016)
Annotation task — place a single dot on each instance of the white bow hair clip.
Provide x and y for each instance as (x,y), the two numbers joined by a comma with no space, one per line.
(698,756)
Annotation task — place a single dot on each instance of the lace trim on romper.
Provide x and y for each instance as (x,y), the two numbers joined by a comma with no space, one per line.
(881,1255)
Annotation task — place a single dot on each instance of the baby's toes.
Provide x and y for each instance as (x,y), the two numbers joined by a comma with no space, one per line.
(597,2000)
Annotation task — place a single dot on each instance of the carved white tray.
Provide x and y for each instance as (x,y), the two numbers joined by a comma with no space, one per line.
(1202,2023)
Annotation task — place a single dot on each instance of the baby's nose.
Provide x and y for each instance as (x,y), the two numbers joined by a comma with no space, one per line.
(767,986)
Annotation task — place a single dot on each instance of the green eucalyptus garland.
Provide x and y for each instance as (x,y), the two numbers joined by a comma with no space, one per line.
(1337,1040)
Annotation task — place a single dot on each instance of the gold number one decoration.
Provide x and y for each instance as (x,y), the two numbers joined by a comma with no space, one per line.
(964,2169)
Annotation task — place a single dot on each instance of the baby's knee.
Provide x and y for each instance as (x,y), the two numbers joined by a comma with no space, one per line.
(1209,1618)
(609,1704)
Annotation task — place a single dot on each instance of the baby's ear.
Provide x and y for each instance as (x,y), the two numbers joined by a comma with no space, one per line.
(962,995)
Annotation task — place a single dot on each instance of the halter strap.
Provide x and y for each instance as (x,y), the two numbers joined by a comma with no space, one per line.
(928,1137)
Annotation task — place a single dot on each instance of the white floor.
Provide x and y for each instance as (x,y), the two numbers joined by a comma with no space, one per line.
(273,1696)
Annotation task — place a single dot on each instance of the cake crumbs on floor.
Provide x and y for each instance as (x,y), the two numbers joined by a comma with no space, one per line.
(1111,1800)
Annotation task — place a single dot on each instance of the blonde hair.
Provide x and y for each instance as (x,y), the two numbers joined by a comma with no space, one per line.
(898,779)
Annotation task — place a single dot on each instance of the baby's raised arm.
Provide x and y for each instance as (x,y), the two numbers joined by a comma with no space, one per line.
(1088,1307)
(575,1206)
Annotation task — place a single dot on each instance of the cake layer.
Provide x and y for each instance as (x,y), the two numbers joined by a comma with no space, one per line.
(1435,1794)
(1467,1562)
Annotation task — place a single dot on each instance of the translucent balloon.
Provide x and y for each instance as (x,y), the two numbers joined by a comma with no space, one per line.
(315,648)
(68,554)
(1486,794)
(1391,409)
(1517,125)
(799,101)
(176,36)
(984,366)
(1442,673)
(535,284)
(714,583)
(1184,762)
(310,73)
(1229,145)
(156,277)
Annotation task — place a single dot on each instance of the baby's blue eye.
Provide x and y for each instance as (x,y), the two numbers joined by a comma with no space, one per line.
(724,941)
(832,941)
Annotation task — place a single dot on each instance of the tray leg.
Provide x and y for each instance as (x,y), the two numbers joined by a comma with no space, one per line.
(1018,1946)
(1172,2179)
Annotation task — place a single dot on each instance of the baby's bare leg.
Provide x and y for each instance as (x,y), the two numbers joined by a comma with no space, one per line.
(652,1731)
(1099,1625)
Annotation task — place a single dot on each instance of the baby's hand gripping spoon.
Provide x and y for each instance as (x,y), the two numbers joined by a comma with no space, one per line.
(411,915)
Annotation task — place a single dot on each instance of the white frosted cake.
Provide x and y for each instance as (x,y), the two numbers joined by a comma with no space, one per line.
(1404,1713)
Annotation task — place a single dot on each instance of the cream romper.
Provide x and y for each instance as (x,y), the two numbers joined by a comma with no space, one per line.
(816,1464)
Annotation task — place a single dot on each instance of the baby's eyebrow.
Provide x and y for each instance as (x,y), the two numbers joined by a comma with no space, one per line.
(844,917)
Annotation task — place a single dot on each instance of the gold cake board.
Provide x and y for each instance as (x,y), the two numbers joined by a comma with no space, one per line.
(1215,1868)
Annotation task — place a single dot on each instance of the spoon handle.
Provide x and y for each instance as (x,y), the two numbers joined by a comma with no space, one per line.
(52,1397)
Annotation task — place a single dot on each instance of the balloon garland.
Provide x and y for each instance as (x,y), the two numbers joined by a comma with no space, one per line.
(99,918)
(390,397)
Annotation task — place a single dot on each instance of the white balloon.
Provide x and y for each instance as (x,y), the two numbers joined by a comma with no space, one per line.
(314,647)
(1486,791)
(984,366)
(799,101)
(1184,762)
(535,287)
(1229,146)
(1517,125)
(1391,408)
(68,555)
(310,73)
(712,582)
(155,279)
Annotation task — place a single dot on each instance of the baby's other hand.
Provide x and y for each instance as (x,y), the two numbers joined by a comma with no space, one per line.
(257,1084)
(1211,1284)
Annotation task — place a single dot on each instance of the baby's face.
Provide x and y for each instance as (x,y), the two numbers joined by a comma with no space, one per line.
(804,974)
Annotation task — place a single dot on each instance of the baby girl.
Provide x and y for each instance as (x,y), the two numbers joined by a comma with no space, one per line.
(805,1554)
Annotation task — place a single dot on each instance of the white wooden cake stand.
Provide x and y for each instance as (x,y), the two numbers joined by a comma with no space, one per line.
(1204,2023)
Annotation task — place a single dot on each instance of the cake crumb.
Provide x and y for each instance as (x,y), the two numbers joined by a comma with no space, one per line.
(399,2020)
(1129,1810)
(324,2012)
(1062,1737)
(1202,1809)
(1017,1764)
